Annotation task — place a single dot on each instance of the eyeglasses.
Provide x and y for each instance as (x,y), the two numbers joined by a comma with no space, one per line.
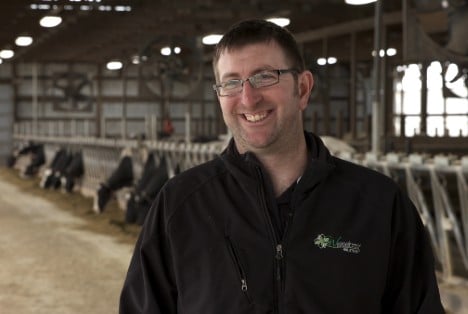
(261,79)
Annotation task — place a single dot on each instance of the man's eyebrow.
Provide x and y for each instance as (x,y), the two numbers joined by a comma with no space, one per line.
(229,75)
(234,75)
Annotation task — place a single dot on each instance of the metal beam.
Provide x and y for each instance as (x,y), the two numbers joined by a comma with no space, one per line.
(388,19)
(376,103)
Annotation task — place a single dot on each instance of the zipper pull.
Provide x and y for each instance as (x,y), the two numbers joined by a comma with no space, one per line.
(279,256)
(244,285)
(279,252)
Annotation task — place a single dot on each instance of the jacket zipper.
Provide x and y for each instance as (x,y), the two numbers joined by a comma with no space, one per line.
(280,251)
(278,247)
(238,265)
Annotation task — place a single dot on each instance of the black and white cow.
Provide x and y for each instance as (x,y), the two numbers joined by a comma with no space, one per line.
(121,177)
(146,190)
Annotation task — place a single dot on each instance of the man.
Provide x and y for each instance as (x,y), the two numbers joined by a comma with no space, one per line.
(276,224)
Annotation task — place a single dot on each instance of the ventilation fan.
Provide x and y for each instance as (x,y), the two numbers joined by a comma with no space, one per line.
(164,75)
(72,91)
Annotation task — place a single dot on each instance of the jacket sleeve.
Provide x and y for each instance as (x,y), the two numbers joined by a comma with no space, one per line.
(149,286)
(411,283)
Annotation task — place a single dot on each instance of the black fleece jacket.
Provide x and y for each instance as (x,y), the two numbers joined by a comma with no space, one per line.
(354,244)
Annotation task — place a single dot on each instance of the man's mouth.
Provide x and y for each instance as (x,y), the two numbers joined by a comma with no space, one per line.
(256,117)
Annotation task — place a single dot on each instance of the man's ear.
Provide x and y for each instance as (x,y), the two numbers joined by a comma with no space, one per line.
(305,85)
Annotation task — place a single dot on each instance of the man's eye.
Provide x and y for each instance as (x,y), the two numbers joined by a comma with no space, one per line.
(230,84)
(265,76)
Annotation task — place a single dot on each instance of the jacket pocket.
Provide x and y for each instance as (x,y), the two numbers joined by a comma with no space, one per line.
(240,270)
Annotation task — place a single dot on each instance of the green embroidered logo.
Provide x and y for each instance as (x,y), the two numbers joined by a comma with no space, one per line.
(323,242)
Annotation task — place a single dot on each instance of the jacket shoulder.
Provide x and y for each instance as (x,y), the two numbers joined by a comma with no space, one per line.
(361,176)
(179,189)
(192,178)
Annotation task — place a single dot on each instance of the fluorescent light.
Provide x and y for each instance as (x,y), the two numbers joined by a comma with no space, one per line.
(43,7)
(6,53)
(166,51)
(325,61)
(331,60)
(105,8)
(280,21)
(391,52)
(23,41)
(50,21)
(122,8)
(114,65)
(321,61)
(359,2)
(135,59)
(212,39)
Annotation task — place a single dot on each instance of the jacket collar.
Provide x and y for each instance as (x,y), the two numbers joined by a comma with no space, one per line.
(321,163)
(246,166)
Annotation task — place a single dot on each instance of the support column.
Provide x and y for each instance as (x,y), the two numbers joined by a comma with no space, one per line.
(376,104)
(352,88)
(423,124)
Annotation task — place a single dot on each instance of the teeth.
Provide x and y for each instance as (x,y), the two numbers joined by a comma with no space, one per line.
(255,117)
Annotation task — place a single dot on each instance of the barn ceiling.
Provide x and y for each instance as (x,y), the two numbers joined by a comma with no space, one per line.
(97,31)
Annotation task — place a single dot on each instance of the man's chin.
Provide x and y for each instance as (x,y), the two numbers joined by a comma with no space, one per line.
(255,144)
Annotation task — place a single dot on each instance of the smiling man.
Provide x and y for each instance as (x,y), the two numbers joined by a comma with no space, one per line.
(264,110)
(276,224)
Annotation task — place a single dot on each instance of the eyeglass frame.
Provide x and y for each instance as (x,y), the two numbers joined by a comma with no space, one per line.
(216,87)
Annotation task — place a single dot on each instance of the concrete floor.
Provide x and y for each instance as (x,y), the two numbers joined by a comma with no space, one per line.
(50,262)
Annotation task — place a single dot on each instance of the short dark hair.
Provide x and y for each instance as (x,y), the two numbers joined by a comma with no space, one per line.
(259,31)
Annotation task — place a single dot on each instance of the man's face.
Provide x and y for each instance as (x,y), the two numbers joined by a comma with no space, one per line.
(267,118)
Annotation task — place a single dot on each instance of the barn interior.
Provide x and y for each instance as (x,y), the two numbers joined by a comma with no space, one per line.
(117,83)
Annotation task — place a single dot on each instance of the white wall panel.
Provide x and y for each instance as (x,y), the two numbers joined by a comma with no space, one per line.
(6,120)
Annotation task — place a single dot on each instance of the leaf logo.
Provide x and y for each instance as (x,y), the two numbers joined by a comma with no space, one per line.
(322,241)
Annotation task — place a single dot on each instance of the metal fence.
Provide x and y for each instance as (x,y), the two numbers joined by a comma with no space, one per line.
(436,184)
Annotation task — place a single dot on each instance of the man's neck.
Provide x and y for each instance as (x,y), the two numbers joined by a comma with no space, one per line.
(285,167)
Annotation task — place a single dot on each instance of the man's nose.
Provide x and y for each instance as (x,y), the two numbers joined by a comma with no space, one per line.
(250,95)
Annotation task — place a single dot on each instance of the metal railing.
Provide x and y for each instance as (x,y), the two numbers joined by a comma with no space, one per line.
(437,185)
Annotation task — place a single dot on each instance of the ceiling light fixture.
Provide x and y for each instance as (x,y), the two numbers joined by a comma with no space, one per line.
(114,65)
(23,40)
(122,8)
(166,51)
(135,59)
(321,61)
(39,7)
(359,2)
(211,39)
(391,52)
(280,21)
(325,61)
(50,21)
(7,53)
(105,8)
